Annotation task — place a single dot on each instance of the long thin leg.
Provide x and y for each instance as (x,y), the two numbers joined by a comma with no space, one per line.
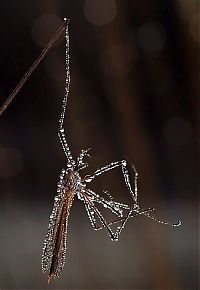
(132,215)
(61,132)
(123,165)
(92,210)
(144,212)
(113,206)
(134,193)
(104,169)
(117,207)
(135,210)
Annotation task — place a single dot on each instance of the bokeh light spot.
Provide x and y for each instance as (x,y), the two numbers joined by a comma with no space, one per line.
(100,12)
(178,131)
(44,27)
(11,162)
(117,61)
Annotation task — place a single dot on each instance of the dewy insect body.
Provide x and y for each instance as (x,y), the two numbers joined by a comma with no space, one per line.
(71,184)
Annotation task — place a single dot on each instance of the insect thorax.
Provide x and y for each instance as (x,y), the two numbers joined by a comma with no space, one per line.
(72,181)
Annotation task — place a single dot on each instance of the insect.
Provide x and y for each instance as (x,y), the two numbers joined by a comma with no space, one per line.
(70,184)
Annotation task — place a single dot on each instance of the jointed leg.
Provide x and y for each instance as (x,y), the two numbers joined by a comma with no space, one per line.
(134,193)
(61,135)
(104,169)
(92,210)
(123,165)
(61,132)
(136,208)
(115,207)
(118,208)
(90,197)
(133,214)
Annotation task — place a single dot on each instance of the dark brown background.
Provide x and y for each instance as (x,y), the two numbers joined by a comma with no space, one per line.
(134,71)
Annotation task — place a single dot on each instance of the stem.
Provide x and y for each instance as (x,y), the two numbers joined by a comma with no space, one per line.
(33,67)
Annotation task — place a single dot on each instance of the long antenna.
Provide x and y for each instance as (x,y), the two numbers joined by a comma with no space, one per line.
(33,67)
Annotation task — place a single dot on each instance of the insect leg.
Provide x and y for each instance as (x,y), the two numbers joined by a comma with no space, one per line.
(61,132)
(123,165)
(92,210)
(132,215)
(91,214)
(114,206)
(65,146)
(89,178)
(134,193)
(118,208)
(125,172)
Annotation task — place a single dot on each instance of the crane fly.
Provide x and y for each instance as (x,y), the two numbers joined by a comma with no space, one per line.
(71,184)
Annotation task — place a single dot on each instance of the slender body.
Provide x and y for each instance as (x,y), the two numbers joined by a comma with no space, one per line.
(71,184)
(55,244)
(60,233)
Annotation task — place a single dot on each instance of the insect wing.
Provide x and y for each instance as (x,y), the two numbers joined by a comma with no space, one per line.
(54,251)
(59,251)
(50,236)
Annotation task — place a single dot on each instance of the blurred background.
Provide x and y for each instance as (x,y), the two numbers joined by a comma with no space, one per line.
(134,85)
